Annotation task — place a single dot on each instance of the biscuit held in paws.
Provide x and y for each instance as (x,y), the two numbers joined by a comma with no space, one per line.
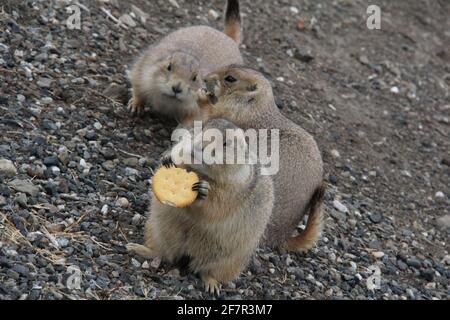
(173,186)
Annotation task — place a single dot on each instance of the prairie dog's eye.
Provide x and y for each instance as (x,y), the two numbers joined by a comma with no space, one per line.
(194,78)
(169,67)
(230,79)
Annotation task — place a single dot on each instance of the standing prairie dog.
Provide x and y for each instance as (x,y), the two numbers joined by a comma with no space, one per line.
(167,75)
(220,231)
(245,97)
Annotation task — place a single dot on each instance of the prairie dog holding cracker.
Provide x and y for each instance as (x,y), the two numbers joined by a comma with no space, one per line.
(168,74)
(245,97)
(220,231)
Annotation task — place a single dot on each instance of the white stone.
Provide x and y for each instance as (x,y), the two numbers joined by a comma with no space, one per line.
(46,100)
(135,263)
(395,90)
(446,260)
(83,163)
(136,220)
(98,126)
(289,260)
(378,254)
(339,206)
(213,15)
(335,153)
(122,202)
(444,221)
(128,20)
(143,16)
(18,53)
(131,172)
(104,209)
(7,167)
(439,194)
(332,257)
(430,286)
(55,170)
(174,3)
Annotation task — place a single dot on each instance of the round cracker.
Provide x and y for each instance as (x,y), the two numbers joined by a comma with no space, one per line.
(173,186)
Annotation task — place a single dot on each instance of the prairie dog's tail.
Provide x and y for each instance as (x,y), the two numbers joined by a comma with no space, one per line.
(233,20)
(308,237)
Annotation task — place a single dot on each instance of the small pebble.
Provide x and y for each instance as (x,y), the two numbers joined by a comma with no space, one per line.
(378,254)
(339,206)
(335,153)
(122,202)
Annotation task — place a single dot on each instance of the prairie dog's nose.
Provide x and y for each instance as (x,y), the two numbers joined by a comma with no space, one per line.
(177,89)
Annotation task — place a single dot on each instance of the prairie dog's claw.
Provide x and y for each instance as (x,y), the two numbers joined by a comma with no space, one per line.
(134,108)
(212,286)
(202,187)
(141,250)
(202,94)
(166,161)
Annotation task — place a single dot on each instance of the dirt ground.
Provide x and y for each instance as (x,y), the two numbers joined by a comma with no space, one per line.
(376,101)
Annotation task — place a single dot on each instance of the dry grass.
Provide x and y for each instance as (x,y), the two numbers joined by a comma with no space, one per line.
(10,234)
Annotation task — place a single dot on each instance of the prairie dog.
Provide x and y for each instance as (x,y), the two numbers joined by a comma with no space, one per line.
(167,75)
(220,231)
(245,97)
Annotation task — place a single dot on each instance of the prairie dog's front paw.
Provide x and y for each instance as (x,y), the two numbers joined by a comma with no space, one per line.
(135,106)
(202,95)
(202,187)
(166,160)
(206,98)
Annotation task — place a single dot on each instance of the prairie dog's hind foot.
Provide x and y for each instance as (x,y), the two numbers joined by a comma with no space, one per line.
(212,286)
(141,250)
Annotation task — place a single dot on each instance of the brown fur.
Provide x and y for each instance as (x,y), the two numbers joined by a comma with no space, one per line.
(220,233)
(309,236)
(180,60)
(249,103)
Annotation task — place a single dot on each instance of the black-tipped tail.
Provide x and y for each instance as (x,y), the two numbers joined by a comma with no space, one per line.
(308,237)
(233,20)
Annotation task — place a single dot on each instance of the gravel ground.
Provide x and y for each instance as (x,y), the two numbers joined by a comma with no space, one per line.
(74,167)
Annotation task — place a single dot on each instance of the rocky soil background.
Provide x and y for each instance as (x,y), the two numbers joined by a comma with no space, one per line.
(74,167)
